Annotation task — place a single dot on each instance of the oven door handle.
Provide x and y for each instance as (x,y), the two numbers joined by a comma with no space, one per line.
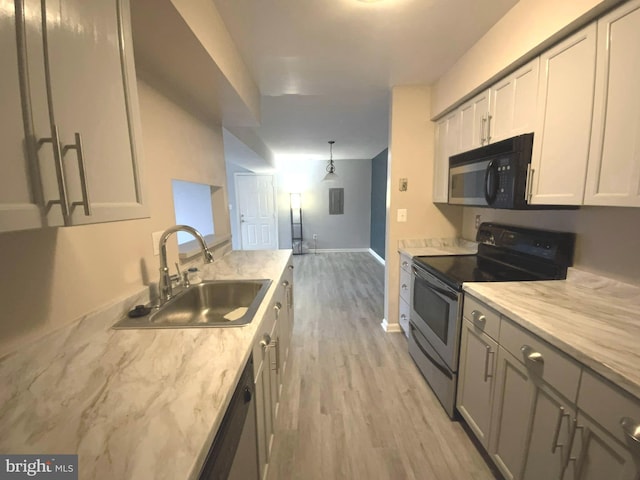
(442,291)
(435,362)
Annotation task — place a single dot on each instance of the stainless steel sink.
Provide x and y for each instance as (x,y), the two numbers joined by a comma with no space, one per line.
(217,303)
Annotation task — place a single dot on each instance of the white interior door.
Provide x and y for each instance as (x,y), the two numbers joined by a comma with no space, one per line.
(257,211)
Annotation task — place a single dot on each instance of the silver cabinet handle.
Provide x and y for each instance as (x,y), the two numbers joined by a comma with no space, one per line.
(290,267)
(631,429)
(576,427)
(285,283)
(77,146)
(489,117)
(404,286)
(488,353)
(556,433)
(529,184)
(478,318)
(482,136)
(54,140)
(531,355)
(277,307)
(405,264)
(265,343)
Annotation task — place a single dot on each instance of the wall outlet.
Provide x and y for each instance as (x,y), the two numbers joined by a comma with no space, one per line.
(402,215)
(477,221)
(315,236)
(155,238)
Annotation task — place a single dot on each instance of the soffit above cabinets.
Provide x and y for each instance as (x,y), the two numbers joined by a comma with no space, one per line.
(173,54)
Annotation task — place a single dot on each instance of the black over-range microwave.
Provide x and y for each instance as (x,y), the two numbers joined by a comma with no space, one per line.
(493,176)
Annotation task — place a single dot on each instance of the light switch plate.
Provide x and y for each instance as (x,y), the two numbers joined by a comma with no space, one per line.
(155,238)
(404,183)
(402,215)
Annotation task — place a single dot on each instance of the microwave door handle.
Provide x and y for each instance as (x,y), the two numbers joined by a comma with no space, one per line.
(491,183)
(435,288)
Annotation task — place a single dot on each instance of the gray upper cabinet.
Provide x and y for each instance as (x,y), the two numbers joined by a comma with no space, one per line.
(21,202)
(80,137)
(513,103)
(613,176)
(565,104)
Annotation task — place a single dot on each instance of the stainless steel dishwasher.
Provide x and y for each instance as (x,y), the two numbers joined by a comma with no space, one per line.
(234,452)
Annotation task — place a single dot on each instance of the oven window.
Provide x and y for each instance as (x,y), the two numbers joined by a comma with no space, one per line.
(433,309)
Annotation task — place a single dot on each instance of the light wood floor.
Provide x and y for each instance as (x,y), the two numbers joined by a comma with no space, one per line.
(354,405)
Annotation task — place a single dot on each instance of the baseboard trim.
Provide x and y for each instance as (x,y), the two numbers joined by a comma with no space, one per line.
(376,256)
(391,327)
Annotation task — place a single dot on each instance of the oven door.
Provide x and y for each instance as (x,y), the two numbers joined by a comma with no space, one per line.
(435,313)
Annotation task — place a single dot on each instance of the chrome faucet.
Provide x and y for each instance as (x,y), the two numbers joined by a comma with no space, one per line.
(164,287)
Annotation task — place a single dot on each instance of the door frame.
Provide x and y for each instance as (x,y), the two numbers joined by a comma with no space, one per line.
(274,193)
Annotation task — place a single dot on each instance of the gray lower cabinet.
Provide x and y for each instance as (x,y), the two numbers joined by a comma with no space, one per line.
(550,417)
(477,374)
(532,423)
(270,356)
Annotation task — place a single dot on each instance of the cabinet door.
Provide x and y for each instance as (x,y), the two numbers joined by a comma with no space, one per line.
(476,380)
(550,435)
(473,118)
(21,201)
(263,417)
(563,126)
(446,145)
(93,102)
(613,177)
(512,415)
(596,455)
(513,103)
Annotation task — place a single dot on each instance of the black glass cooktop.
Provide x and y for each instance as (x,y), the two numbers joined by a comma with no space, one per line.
(456,269)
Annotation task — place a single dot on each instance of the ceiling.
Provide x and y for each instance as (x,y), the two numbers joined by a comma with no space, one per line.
(325,68)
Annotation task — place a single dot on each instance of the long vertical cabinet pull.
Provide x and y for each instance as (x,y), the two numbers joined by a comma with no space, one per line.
(578,458)
(483,137)
(77,146)
(489,117)
(556,433)
(54,140)
(488,354)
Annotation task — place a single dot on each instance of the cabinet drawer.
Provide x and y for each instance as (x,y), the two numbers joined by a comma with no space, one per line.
(405,286)
(607,404)
(403,316)
(482,317)
(541,359)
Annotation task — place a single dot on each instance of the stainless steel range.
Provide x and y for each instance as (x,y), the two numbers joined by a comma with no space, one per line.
(505,253)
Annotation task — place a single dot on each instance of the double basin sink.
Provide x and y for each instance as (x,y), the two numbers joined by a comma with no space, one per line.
(215,303)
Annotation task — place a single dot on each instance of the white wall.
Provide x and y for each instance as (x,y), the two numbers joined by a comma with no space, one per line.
(350,230)
(54,276)
(411,156)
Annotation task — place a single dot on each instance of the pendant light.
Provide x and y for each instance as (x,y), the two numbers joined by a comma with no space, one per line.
(331,168)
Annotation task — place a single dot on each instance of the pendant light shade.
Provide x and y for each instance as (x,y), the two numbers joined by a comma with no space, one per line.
(331,168)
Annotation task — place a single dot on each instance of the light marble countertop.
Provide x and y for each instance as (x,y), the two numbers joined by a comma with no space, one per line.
(433,247)
(591,318)
(133,404)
